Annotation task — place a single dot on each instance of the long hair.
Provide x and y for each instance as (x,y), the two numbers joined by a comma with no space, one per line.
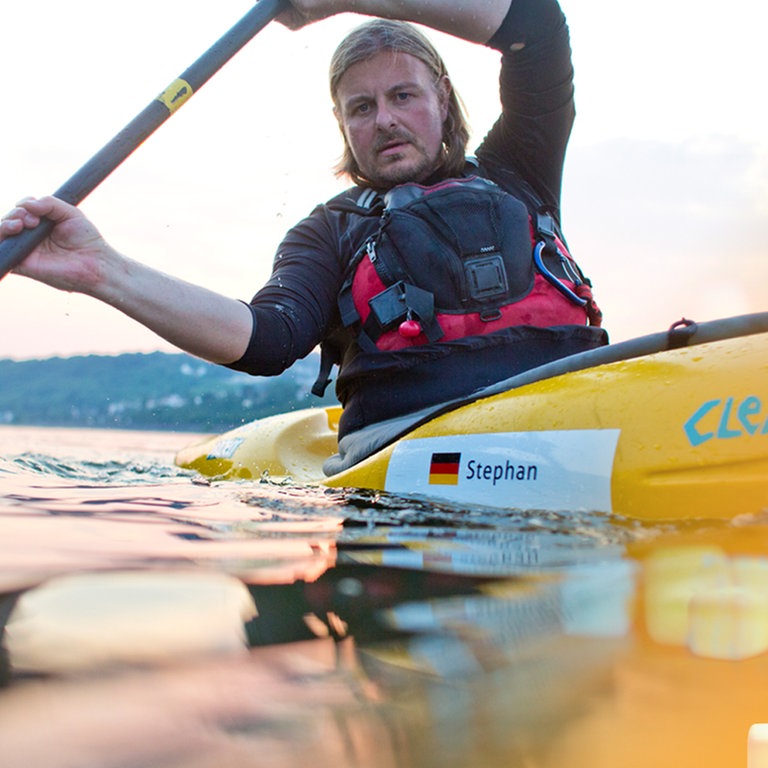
(364,43)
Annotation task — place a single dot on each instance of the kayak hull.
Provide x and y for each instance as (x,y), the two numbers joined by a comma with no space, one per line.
(677,434)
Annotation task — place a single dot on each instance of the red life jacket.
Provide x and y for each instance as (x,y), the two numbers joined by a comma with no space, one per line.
(458,259)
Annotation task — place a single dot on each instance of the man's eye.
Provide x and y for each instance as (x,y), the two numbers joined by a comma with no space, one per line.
(361,109)
(403,96)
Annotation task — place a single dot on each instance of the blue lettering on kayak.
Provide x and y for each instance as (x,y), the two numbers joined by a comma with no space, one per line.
(496,473)
(733,419)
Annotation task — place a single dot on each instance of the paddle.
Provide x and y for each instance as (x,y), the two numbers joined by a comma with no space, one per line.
(86,179)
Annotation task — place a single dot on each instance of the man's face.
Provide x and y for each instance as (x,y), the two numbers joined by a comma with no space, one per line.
(392,113)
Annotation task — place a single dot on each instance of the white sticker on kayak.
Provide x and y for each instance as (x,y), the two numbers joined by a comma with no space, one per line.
(552,470)
(225,448)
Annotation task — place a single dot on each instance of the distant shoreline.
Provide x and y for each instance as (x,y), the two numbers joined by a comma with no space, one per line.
(156,391)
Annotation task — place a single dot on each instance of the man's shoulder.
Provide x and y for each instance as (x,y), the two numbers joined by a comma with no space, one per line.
(366,201)
(360,200)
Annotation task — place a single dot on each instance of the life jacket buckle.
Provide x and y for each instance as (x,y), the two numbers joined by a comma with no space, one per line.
(399,302)
(489,315)
(545,225)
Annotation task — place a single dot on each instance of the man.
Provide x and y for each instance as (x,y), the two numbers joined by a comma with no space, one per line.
(420,280)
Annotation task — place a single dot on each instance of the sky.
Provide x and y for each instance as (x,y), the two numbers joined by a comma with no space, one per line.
(665,195)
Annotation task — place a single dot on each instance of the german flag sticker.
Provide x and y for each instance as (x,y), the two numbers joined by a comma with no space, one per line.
(444,469)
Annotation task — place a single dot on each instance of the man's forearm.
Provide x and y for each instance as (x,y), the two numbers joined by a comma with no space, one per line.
(475,20)
(193,318)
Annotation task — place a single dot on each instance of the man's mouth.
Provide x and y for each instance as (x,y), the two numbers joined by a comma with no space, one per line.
(393,147)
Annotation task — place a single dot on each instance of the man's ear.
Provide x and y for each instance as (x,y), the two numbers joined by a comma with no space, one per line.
(339,121)
(444,90)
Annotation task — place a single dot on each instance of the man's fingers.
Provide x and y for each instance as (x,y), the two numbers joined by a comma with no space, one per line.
(11,225)
(17,218)
(47,207)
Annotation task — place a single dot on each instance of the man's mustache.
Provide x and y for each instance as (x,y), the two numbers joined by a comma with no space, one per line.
(398,137)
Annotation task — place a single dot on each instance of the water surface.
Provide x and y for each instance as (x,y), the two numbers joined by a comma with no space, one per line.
(155,619)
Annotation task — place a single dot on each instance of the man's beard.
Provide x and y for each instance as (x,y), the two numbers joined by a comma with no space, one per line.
(385,178)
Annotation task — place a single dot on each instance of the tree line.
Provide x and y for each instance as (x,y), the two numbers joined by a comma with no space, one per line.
(157,391)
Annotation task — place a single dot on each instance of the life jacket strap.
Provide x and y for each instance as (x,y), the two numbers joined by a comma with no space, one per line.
(328,358)
(594,313)
(395,306)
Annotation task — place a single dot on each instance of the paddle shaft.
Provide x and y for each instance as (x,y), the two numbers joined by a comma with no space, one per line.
(15,249)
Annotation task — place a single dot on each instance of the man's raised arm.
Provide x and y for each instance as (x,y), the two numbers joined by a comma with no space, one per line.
(473,20)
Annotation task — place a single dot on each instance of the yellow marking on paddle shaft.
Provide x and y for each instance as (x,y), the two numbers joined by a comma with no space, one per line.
(176,94)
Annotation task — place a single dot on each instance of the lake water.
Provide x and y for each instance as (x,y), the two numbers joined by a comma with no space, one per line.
(155,619)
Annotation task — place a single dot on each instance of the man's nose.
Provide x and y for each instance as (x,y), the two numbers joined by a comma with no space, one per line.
(385,115)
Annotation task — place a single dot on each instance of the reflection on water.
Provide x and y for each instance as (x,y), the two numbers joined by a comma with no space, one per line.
(154,620)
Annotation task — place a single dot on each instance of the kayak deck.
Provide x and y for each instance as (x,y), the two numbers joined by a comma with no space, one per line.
(681,433)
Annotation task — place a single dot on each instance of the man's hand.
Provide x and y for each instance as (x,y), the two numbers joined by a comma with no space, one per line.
(71,257)
(304,12)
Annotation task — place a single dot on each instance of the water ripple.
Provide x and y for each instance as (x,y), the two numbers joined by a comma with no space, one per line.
(106,471)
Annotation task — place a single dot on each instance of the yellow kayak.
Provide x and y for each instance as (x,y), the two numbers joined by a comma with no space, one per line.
(667,426)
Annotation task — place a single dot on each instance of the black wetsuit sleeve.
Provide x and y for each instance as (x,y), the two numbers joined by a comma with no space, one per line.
(536,88)
(294,310)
